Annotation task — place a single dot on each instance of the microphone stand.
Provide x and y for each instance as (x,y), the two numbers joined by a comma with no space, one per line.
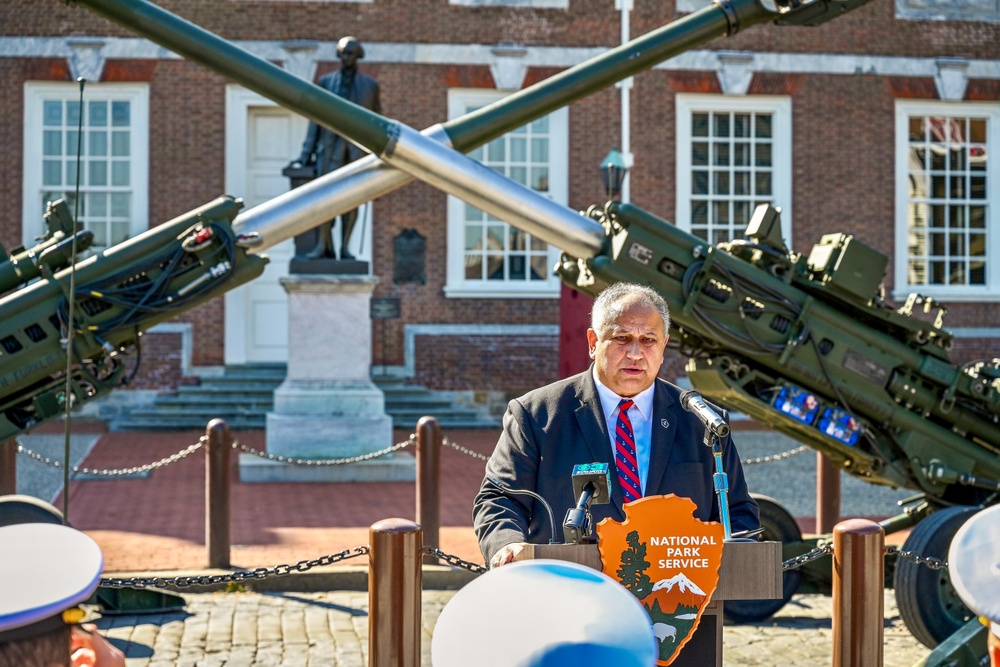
(721,481)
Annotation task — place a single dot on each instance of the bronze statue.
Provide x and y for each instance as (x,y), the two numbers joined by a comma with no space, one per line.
(327,151)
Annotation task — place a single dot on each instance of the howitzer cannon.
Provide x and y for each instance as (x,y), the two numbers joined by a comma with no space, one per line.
(749,313)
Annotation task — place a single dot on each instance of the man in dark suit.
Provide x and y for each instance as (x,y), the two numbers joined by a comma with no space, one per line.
(327,150)
(549,430)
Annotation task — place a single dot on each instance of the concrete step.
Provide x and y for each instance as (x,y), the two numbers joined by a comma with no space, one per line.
(244,395)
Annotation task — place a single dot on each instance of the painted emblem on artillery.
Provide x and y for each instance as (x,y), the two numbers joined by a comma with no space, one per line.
(669,560)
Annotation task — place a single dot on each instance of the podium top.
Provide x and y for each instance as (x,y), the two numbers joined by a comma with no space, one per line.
(749,571)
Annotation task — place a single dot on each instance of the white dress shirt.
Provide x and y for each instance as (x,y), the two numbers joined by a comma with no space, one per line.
(641,416)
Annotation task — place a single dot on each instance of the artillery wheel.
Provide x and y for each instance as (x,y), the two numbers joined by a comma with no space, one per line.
(779,526)
(928,604)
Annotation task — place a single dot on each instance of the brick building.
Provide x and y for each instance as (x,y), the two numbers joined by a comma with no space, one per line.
(824,122)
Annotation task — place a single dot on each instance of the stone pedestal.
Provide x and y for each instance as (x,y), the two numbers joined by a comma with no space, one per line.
(328,407)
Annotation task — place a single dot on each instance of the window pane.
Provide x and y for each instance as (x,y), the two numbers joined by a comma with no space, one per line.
(763,155)
(97,143)
(720,124)
(762,126)
(741,125)
(121,204)
(741,183)
(699,124)
(763,183)
(699,183)
(473,267)
(699,213)
(52,143)
(495,235)
(496,150)
(120,144)
(52,113)
(71,173)
(540,150)
(51,173)
(720,184)
(720,154)
(741,154)
(519,174)
(98,174)
(494,267)
(540,179)
(72,142)
(97,204)
(119,231)
(518,149)
(73,113)
(699,153)
(518,267)
(121,114)
(119,174)
(539,267)
(98,114)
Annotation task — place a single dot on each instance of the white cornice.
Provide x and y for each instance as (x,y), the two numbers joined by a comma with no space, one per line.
(528,56)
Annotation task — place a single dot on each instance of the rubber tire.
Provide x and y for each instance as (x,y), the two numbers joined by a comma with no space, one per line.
(928,604)
(779,526)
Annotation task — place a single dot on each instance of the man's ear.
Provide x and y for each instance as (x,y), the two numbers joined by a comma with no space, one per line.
(592,342)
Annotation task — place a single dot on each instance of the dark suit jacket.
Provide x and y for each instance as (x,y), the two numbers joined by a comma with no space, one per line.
(331,150)
(549,430)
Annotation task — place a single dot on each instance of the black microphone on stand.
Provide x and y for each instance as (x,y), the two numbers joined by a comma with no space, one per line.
(695,404)
(591,484)
(506,489)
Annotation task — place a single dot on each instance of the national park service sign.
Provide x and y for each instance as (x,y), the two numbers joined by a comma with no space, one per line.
(669,560)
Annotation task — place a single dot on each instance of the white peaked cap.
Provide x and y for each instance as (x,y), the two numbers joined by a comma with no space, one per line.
(974,563)
(542,613)
(45,569)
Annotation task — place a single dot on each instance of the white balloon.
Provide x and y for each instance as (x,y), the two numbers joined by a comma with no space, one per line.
(543,613)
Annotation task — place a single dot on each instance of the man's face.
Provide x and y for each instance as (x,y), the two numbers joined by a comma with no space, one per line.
(349,54)
(628,355)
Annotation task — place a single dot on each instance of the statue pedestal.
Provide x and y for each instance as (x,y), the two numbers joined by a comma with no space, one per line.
(328,407)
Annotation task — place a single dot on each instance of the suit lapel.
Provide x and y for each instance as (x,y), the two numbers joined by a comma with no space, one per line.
(664,428)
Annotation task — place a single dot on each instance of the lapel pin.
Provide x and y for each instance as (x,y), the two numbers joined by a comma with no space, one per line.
(664,423)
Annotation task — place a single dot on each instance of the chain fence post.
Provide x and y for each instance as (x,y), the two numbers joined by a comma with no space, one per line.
(218,445)
(8,467)
(394,584)
(827,494)
(858,583)
(429,482)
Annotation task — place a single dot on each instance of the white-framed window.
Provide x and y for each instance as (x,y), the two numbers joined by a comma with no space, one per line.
(486,256)
(113,164)
(733,153)
(947,216)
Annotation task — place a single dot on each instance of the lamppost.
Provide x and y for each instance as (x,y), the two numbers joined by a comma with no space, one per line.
(613,170)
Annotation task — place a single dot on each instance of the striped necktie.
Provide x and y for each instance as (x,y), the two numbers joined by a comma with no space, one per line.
(628,467)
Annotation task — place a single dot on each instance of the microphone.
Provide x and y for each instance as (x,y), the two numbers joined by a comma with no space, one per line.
(694,403)
(591,484)
(506,489)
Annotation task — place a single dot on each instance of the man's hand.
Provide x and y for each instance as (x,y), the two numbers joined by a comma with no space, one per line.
(507,554)
(89,649)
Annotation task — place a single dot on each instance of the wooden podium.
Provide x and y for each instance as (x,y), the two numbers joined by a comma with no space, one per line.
(749,571)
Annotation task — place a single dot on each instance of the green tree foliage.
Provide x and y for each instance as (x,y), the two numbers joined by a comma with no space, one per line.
(632,573)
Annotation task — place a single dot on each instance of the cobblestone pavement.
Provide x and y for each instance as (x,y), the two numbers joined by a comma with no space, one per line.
(305,629)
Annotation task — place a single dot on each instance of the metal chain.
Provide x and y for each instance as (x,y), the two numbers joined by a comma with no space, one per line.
(173,458)
(929,561)
(775,457)
(464,450)
(328,462)
(456,561)
(820,551)
(241,575)
(807,557)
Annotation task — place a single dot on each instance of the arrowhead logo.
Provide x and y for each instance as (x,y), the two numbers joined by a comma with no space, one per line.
(669,560)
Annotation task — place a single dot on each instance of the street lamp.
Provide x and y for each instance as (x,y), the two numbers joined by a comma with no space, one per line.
(613,172)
